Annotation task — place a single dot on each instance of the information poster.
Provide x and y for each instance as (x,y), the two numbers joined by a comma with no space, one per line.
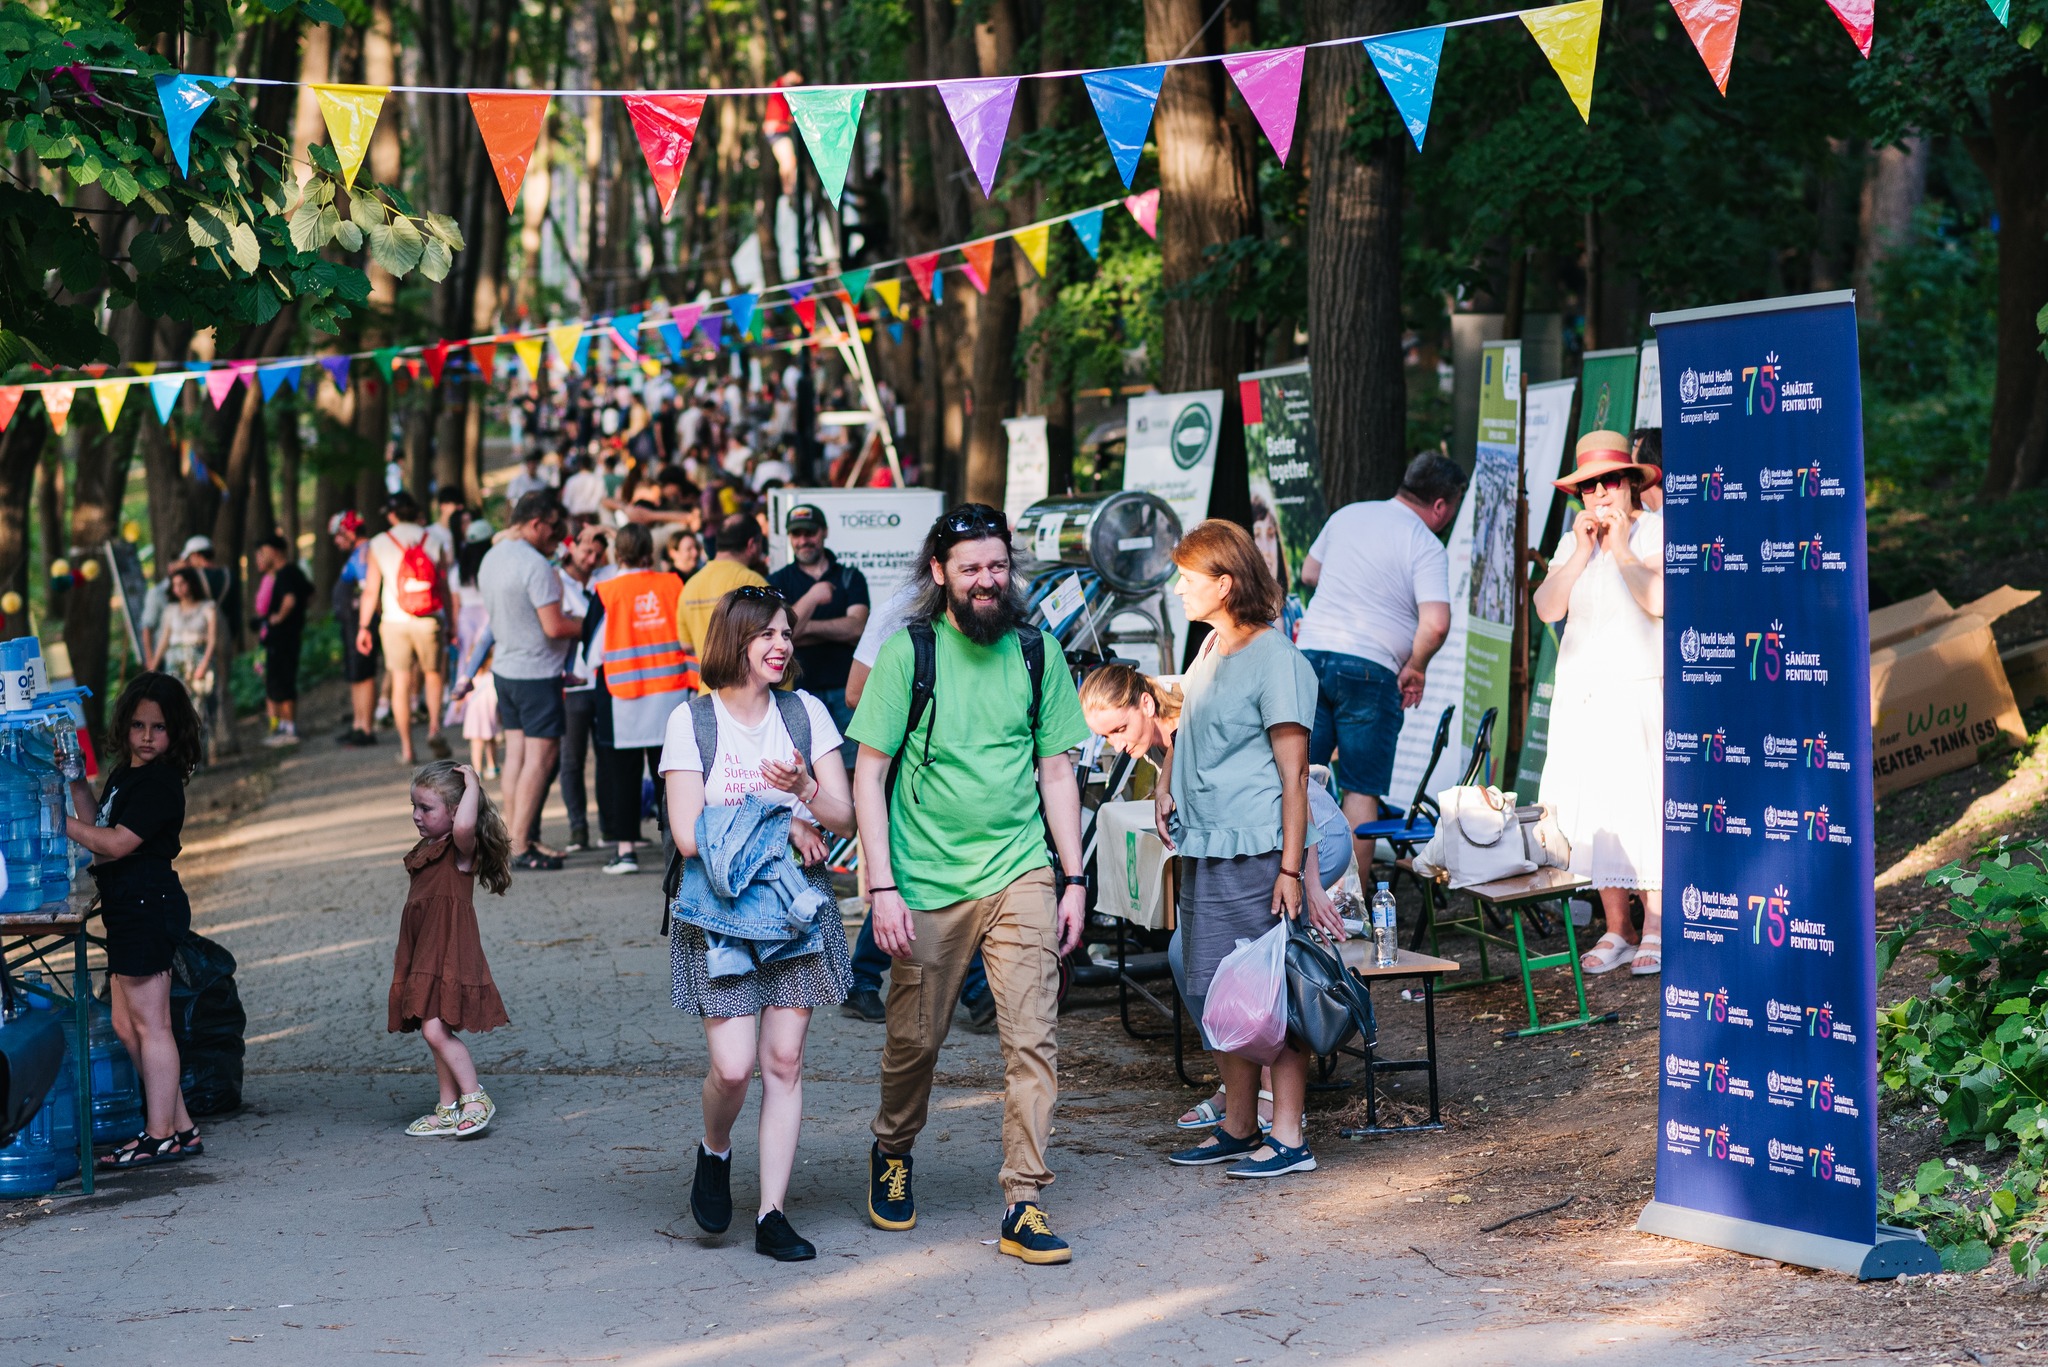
(1768,1101)
(1443,684)
(1029,472)
(1549,421)
(1170,449)
(1610,402)
(1490,600)
(877,531)
(1285,472)
(1649,388)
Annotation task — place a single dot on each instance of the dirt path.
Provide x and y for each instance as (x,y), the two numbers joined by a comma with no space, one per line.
(314,1231)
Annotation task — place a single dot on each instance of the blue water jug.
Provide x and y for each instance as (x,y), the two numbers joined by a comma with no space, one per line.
(116,1089)
(46,1152)
(21,813)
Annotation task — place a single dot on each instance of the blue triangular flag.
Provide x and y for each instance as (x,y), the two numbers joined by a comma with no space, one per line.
(798,289)
(337,370)
(626,331)
(1088,227)
(184,99)
(741,307)
(1407,63)
(672,338)
(1123,99)
(710,326)
(938,287)
(896,333)
(163,392)
(272,378)
(582,358)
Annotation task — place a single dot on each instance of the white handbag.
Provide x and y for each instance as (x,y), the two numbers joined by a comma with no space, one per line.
(1483,835)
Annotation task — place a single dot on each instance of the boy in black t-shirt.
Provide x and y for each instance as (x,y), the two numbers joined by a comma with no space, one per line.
(280,623)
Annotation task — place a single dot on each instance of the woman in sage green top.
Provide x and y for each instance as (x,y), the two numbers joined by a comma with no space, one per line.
(1234,807)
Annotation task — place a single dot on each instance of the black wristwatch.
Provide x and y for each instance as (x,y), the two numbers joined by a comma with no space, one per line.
(1074,880)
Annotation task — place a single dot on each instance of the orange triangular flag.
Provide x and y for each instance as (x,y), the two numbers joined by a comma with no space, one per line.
(511,127)
(981,258)
(484,356)
(1711,26)
(57,405)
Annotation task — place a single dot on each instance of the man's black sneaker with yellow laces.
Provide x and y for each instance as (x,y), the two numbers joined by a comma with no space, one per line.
(890,1204)
(1026,1235)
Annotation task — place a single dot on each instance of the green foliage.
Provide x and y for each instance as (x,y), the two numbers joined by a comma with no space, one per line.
(221,246)
(319,661)
(1935,62)
(1975,1047)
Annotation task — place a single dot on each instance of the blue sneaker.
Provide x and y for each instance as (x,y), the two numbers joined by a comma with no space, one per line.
(1025,1234)
(890,1204)
(1283,1161)
(1226,1147)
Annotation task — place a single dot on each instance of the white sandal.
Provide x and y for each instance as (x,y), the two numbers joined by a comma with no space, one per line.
(1608,953)
(1649,950)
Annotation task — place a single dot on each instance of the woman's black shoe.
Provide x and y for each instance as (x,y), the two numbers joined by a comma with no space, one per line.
(774,1238)
(711,1192)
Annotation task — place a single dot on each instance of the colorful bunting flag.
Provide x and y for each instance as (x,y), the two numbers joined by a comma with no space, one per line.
(891,294)
(980,264)
(568,340)
(666,126)
(532,353)
(1145,209)
(896,333)
(57,405)
(337,371)
(183,99)
(1860,18)
(1123,98)
(685,319)
(1271,84)
(437,358)
(10,399)
(511,124)
(741,307)
(1408,64)
(981,116)
(938,287)
(799,289)
(829,119)
(96,369)
(219,383)
(855,283)
(351,114)
(383,356)
(1711,26)
(1088,227)
(806,312)
(143,368)
(671,338)
(111,395)
(710,328)
(2001,10)
(1033,242)
(626,331)
(1570,37)
(924,269)
(484,356)
(164,392)
(271,378)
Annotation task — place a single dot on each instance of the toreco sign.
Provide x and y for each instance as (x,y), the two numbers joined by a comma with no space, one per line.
(1767,1109)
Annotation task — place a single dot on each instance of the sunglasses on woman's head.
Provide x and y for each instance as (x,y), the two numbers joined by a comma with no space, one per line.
(755,593)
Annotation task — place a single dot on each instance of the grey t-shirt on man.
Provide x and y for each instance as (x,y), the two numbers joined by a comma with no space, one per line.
(517,581)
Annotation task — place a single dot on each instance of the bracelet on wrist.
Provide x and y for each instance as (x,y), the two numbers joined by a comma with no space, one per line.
(887,887)
(1295,874)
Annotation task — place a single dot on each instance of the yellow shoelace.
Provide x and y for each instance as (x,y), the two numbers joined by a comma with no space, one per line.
(1033,1219)
(895,1179)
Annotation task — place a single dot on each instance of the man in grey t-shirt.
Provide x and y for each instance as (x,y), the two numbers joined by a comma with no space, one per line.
(523,596)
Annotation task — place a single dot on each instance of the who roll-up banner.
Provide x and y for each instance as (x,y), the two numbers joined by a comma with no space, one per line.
(1490,603)
(1767,1103)
(1547,424)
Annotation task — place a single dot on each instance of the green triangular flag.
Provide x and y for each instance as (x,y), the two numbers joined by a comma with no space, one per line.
(829,119)
(2002,11)
(383,357)
(855,283)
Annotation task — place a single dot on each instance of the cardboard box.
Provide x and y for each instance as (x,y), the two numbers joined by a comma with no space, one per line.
(2026,669)
(1938,692)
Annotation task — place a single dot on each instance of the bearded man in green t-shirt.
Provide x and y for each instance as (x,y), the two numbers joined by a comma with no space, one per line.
(954,846)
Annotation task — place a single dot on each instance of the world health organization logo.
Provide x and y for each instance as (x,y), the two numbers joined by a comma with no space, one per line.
(1689,639)
(1670,809)
(1689,902)
(1689,386)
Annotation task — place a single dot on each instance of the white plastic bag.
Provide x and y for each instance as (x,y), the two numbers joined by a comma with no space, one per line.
(1246,1012)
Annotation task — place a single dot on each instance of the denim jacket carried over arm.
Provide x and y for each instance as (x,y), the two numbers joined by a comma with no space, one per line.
(745,891)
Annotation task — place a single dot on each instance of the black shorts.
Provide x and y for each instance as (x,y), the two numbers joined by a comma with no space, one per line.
(357,667)
(532,707)
(281,666)
(143,927)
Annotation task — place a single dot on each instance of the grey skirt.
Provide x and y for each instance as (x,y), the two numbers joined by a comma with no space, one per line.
(821,979)
(1222,901)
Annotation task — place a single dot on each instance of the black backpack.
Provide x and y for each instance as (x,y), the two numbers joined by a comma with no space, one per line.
(924,678)
(796,719)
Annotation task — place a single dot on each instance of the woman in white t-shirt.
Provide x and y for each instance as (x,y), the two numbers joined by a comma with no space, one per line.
(750,649)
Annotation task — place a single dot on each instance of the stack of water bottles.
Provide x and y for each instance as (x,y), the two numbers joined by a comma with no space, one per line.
(38,739)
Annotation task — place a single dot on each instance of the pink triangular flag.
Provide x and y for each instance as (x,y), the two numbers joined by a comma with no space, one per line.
(1145,209)
(1271,84)
(1859,17)
(219,383)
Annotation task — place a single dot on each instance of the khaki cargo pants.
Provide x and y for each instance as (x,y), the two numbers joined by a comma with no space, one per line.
(1017,932)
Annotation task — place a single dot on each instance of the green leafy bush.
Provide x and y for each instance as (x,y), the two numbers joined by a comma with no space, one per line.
(319,661)
(1975,1048)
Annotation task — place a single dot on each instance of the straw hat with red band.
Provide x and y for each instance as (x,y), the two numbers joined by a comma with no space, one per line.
(1603,453)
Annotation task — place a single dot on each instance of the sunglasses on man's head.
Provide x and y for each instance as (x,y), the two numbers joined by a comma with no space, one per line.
(975,519)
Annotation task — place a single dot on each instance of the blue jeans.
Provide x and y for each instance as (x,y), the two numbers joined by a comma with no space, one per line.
(870,964)
(1358,715)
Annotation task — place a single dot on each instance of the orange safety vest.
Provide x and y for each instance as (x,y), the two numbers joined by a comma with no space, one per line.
(641,653)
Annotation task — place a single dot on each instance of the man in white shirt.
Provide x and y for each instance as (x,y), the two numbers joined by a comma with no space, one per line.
(415,644)
(1382,608)
(583,491)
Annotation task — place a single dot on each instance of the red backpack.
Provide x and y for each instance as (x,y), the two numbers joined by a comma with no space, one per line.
(419,581)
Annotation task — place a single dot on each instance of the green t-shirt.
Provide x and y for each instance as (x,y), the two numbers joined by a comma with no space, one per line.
(966,823)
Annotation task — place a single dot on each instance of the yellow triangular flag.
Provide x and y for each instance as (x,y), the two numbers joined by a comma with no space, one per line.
(1570,37)
(530,350)
(1033,240)
(351,114)
(144,368)
(650,366)
(892,295)
(566,339)
(111,394)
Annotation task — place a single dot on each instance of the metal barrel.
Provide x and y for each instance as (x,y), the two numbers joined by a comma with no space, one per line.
(1127,537)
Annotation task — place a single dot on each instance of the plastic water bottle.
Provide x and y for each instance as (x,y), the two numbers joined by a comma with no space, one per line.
(1385,941)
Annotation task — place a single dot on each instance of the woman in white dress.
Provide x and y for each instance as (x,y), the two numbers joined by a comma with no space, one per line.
(1604,777)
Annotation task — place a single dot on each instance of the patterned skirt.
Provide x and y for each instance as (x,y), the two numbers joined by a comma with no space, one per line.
(821,979)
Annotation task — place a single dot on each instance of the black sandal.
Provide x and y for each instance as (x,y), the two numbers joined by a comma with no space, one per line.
(534,859)
(143,1150)
(190,1145)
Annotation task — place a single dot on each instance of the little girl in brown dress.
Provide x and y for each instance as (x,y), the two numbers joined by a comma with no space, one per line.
(439,981)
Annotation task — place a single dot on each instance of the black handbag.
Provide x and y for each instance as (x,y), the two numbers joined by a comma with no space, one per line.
(1326,1004)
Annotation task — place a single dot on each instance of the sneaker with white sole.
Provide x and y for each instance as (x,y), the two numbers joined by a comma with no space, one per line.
(625,863)
(1283,1161)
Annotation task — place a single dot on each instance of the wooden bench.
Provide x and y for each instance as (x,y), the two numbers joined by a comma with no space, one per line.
(1358,957)
(1511,900)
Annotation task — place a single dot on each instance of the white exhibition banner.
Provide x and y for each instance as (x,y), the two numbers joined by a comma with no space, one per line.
(877,531)
(1170,449)
(1546,424)
(1029,477)
(1443,684)
(1649,390)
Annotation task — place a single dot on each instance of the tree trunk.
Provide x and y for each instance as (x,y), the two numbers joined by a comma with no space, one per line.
(1354,260)
(2016,163)
(21,450)
(288,456)
(1894,183)
(101,481)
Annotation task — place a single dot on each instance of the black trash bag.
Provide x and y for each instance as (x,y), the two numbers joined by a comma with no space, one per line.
(208,1022)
